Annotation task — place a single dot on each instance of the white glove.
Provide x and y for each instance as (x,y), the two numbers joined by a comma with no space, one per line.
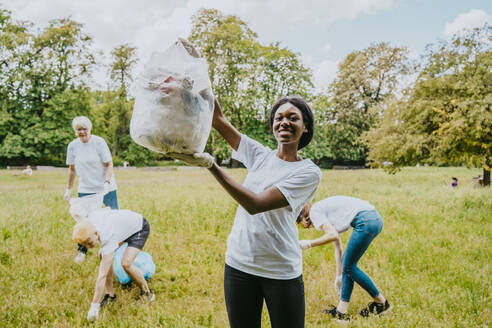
(106,187)
(197,159)
(67,195)
(304,244)
(338,285)
(93,312)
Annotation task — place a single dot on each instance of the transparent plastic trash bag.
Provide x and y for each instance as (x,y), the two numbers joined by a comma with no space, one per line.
(174,102)
(143,262)
(81,207)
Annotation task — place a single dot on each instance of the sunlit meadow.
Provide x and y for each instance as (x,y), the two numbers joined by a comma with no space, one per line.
(432,259)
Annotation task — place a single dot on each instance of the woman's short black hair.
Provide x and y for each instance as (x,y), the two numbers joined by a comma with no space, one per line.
(307,117)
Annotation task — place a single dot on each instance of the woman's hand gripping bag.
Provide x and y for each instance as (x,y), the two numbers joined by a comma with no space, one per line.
(174,102)
(81,207)
(143,262)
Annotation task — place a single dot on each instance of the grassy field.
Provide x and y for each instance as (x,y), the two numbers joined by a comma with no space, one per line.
(432,259)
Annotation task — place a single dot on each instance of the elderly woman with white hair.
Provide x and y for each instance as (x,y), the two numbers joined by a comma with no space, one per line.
(89,157)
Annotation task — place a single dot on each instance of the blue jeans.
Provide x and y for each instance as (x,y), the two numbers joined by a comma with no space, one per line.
(367,225)
(110,200)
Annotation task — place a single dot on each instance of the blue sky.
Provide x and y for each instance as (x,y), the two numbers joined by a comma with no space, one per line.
(414,24)
(410,23)
(323,32)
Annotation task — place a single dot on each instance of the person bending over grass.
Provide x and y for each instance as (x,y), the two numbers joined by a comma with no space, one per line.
(335,215)
(109,229)
(263,259)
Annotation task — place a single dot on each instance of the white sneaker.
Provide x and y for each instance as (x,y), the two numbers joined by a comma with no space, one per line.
(148,296)
(79,258)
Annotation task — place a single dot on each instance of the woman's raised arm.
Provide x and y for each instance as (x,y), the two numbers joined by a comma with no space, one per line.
(224,127)
(252,202)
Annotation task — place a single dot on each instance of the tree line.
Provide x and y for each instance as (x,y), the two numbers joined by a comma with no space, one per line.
(381,107)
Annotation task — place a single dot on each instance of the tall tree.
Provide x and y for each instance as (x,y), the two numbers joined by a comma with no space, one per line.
(124,60)
(112,113)
(365,79)
(44,70)
(14,40)
(320,150)
(446,118)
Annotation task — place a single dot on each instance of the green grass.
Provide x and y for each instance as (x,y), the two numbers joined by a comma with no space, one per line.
(432,259)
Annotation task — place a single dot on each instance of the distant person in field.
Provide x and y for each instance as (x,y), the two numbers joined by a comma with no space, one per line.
(27,171)
(454,182)
(334,215)
(89,157)
(109,229)
(263,258)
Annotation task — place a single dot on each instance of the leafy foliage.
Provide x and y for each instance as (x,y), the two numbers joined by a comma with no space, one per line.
(42,88)
(446,117)
(365,79)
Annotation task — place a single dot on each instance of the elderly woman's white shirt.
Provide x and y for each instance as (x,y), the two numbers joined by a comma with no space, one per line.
(89,159)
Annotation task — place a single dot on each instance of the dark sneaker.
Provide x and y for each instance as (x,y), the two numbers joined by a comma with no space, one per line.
(341,317)
(376,309)
(147,297)
(108,298)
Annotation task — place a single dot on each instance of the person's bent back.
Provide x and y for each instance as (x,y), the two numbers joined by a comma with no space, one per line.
(109,229)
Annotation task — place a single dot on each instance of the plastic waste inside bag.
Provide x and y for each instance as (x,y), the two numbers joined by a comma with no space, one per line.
(174,102)
(143,262)
(82,206)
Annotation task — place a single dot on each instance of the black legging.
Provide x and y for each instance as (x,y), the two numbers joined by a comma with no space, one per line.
(244,294)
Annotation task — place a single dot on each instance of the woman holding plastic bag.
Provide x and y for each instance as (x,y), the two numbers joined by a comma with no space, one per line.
(89,157)
(263,259)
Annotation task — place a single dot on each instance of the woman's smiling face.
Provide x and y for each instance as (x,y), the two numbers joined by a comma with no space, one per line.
(288,124)
(83,133)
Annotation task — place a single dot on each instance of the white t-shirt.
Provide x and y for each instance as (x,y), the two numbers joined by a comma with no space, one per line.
(338,210)
(266,244)
(89,159)
(115,226)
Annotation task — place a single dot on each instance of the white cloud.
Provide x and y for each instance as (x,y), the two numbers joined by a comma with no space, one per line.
(110,22)
(114,22)
(324,72)
(145,24)
(152,25)
(277,20)
(326,48)
(465,21)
